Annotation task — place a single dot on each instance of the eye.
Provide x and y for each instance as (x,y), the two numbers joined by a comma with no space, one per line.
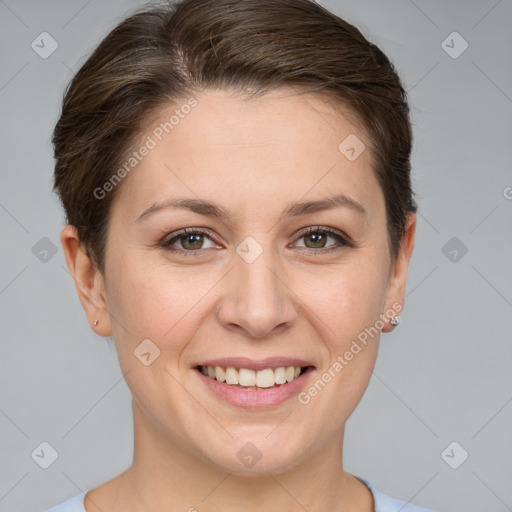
(188,240)
(316,237)
(192,241)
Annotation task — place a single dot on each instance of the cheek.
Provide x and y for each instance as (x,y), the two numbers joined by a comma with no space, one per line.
(348,308)
(348,302)
(151,302)
(346,298)
(157,301)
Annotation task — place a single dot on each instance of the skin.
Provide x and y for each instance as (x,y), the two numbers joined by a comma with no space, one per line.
(293,300)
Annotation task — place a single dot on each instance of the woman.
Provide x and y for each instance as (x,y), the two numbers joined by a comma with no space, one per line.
(236,180)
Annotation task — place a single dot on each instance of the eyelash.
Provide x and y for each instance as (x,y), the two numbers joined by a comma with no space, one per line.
(343,240)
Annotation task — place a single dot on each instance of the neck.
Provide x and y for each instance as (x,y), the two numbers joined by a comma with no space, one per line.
(166,475)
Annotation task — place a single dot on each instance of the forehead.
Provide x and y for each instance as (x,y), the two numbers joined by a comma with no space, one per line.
(280,147)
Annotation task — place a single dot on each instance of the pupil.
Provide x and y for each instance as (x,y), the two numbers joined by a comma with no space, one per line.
(193,239)
(317,239)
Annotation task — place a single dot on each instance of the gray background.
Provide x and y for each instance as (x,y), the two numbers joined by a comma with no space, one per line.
(442,376)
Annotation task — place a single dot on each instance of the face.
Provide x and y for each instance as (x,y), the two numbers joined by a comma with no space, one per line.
(260,280)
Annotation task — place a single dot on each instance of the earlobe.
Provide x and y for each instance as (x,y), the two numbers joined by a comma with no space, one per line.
(89,282)
(398,277)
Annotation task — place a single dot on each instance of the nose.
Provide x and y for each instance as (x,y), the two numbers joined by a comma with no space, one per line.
(257,302)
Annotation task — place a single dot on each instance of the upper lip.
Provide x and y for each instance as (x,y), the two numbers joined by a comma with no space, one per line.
(255,364)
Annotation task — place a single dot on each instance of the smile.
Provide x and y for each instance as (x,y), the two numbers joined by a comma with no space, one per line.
(251,379)
(253,384)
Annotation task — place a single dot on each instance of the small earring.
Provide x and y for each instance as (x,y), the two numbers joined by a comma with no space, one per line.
(95,323)
(395,320)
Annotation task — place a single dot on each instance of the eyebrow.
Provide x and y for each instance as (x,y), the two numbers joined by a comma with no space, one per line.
(209,209)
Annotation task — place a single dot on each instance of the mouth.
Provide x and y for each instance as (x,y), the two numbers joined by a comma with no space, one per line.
(254,384)
(247,378)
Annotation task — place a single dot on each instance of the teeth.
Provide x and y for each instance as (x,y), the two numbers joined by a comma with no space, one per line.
(244,377)
(280,375)
(231,376)
(220,374)
(265,378)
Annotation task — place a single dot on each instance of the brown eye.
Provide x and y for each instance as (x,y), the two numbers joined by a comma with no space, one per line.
(194,241)
(317,240)
(188,241)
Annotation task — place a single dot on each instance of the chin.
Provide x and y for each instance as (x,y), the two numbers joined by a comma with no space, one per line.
(256,455)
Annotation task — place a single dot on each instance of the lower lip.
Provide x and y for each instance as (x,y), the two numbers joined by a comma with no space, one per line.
(264,398)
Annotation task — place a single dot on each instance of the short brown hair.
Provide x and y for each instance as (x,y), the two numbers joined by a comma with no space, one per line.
(166,52)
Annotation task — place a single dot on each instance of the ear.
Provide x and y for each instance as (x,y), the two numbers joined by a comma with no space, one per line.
(398,275)
(89,282)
